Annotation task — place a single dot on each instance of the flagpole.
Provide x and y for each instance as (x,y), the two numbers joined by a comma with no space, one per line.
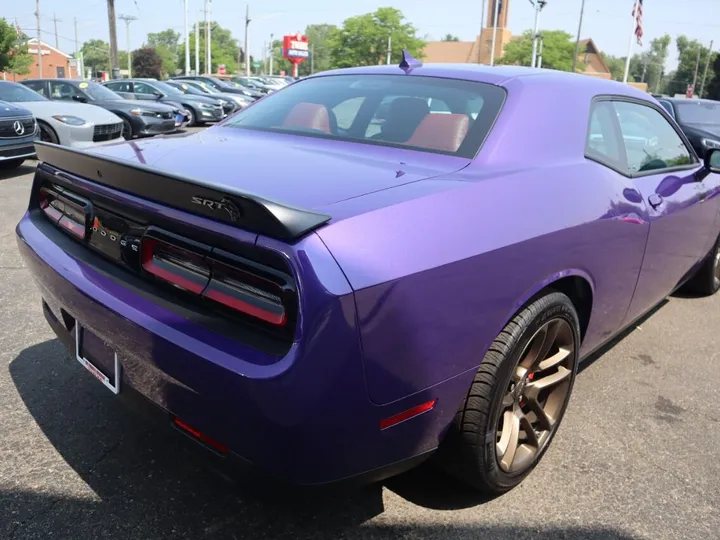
(630,47)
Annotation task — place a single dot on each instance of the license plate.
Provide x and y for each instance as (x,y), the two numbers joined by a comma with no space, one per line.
(179,119)
(99,359)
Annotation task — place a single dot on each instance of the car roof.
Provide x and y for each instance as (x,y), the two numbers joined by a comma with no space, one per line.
(500,76)
(689,100)
(54,79)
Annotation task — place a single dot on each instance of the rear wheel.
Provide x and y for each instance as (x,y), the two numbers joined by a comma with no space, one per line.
(518,398)
(127,131)
(707,279)
(10,164)
(192,118)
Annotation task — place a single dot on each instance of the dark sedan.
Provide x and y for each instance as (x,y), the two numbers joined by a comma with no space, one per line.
(229,104)
(223,86)
(139,119)
(698,118)
(200,109)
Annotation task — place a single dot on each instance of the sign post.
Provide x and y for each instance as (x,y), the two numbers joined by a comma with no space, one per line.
(221,69)
(295,50)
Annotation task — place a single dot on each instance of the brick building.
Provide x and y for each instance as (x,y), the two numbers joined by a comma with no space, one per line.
(55,63)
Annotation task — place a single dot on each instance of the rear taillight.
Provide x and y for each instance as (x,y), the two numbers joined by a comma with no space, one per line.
(67,210)
(220,281)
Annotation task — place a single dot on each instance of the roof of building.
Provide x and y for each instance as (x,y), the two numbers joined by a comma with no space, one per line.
(33,41)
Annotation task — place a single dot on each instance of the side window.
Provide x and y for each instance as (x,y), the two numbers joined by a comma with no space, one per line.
(142,88)
(603,141)
(38,86)
(651,142)
(668,107)
(119,86)
(438,106)
(62,90)
(346,111)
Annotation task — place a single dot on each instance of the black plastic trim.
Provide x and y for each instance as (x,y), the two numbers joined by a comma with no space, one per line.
(227,204)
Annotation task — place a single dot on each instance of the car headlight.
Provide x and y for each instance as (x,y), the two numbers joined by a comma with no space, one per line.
(142,112)
(207,106)
(70,120)
(710,143)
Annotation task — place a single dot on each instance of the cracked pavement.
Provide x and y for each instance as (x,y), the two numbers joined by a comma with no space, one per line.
(636,457)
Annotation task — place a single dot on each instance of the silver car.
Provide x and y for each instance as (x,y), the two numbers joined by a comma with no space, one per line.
(78,125)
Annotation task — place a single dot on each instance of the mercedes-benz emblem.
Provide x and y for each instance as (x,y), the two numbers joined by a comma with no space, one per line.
(18,127)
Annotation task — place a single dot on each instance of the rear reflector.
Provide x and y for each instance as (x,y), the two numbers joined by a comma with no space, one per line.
(406,415)
(200,436)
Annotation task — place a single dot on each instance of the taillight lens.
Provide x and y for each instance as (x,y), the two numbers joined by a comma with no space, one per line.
(179,267)
(68,211)
(247,294)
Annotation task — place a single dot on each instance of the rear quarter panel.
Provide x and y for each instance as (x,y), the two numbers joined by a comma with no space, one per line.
(437,277)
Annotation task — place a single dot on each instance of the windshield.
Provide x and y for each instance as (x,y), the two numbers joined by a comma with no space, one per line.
(98,91)
(17,93)
(446,116)
(188,88)
(208,89)
(698,112)
(164,87)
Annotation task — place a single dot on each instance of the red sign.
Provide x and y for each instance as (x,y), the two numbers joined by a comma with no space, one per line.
(690,90)
(221,69)
(296,50)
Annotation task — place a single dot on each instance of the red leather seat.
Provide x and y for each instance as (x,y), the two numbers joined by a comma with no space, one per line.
(309,115)
(443,132)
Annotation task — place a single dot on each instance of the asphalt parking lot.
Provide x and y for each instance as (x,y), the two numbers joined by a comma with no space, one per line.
(637,455)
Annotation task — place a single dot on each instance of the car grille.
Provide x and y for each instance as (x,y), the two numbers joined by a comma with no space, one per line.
(166,115)
(8,131)
(107,132)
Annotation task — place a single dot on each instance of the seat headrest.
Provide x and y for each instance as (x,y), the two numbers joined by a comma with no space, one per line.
(309,115)
(444,132)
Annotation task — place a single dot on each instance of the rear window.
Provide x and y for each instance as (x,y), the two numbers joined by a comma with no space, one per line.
(447,116)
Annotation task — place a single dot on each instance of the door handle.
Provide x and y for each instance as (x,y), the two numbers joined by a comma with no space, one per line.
(655,200)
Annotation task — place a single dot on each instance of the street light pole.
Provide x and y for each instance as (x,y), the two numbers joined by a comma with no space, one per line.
(577,39)
(539,4)
(128,19)
(39,48)
(494,36)
(272,53)
(187,41)
(247,40)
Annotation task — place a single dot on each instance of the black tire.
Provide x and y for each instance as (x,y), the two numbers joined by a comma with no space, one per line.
(469,451)
(193,120)
(706,280)
(47,134)
(127,130)
(10,164)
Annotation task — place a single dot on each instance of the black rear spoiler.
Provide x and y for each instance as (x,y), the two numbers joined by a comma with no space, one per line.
(220,203)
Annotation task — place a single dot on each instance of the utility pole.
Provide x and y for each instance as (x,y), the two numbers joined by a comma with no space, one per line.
(128,19)
(208,35)
(312,58)
(482,26)
(707,64)
(78,67)
(645,63)
(494,36)
(187,41)
(56,20)
(577,38)
(539,62)
(272,53)
(697,67)
(197,48)
(247,40)
(39,48)
(389,49)
(113,39)
(539,4)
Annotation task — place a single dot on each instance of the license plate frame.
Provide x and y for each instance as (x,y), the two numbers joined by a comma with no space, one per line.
(114,385)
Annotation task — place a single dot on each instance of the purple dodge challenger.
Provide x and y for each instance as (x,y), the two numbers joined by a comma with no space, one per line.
(374,265)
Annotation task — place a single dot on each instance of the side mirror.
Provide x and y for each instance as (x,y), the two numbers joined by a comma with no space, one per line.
(81,99)
(158,94)
(712,160)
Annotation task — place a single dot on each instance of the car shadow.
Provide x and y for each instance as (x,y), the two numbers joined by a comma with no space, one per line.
(144,484)
(26,168)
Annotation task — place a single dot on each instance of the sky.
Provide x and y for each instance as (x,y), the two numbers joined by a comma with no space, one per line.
(607,22)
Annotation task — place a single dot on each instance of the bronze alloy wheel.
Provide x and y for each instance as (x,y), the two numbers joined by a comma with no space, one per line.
(535,398)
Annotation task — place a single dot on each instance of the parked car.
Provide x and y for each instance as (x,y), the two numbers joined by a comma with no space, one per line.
(252,83)
(231,102)
(139,119)
(199,109)
(425,287)
(78,125)
(698,118)
(18,131)
(222,86)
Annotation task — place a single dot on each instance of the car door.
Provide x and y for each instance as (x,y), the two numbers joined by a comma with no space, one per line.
(680,205)
(145,91)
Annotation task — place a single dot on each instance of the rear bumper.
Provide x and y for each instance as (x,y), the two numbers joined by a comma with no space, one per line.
(304,419)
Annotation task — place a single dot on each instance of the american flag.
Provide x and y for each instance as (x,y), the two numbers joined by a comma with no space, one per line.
(637,14)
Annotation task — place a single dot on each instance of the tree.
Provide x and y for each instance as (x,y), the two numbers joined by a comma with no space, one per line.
(96,55)
(450,37)
(558,50)
(14,57)
(687,62)
(166,45)
(649,66)
(146,62)
(225,49)
(712,88)
(363,40)
(615,64)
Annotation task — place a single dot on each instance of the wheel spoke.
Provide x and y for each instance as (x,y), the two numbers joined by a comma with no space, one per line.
(530,435)
(508,400)
(544,422)
(554,360)
(540,345)
(508,445)
(533,388)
